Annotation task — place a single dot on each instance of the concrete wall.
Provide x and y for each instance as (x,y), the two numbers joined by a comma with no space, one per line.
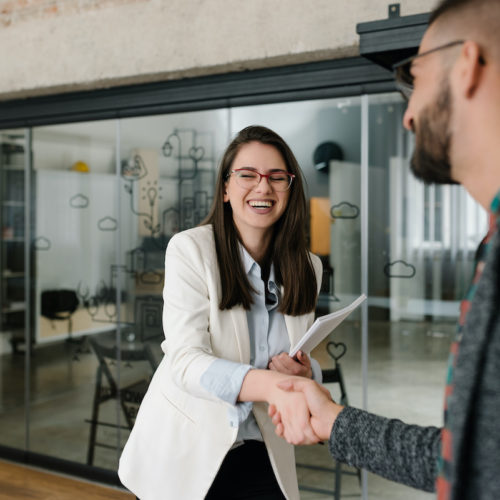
(52,46)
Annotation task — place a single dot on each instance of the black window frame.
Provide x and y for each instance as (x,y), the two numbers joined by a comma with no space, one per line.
(319,80)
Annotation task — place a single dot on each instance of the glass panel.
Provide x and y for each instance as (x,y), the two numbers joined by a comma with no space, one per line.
(167,179)
(325,137)
(13,305)
(75,222)
(422,241)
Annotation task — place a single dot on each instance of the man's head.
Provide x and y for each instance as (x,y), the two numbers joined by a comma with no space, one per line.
(461,44)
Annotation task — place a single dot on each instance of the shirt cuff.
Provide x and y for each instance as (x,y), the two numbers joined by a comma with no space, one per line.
(224,379)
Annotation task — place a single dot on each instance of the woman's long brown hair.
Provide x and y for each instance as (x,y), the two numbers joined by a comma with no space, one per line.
(288,249)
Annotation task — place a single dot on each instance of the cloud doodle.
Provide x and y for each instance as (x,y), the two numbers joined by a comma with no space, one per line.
(344,210)
(150,278)
(79,201)
(107,224)
(399,269)
(41,243)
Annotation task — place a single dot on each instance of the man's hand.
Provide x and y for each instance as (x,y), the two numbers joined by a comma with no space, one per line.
(283,363)
(322,408)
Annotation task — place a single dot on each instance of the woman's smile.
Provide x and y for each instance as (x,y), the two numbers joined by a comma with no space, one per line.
(260,206)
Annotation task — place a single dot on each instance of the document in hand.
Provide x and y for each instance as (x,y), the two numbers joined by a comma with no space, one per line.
(323,326)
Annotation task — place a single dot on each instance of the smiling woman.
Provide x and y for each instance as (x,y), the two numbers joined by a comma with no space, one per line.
(240,289)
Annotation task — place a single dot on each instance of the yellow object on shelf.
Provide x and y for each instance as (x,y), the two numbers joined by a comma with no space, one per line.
(320,225)
(80,166)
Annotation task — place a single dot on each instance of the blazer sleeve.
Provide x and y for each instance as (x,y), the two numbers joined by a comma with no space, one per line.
(400,452)
(186,311)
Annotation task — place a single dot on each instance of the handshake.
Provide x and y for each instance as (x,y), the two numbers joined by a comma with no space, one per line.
(302,410)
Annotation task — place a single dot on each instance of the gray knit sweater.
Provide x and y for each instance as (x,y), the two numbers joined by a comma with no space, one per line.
(401,452)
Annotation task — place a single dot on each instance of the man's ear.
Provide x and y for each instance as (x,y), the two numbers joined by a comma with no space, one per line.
(470,68)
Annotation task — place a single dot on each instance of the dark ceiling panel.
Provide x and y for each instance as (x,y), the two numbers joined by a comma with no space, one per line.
(390,40)
(334,78)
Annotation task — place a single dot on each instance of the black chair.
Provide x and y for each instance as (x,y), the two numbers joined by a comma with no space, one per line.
(336,350)
(59,305)
(135,364)
(334,375)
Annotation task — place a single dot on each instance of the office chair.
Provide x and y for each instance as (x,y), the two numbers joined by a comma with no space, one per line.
(60,305)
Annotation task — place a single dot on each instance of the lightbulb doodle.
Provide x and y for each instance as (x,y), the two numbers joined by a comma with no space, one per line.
(133,171)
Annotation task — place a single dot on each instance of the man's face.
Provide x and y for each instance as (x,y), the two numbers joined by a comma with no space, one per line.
(430,111)
(430,161)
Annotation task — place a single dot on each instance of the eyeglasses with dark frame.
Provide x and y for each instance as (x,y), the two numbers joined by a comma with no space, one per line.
(248,178)
(402,69)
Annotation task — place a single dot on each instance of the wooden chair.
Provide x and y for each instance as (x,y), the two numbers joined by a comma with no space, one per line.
(122,375)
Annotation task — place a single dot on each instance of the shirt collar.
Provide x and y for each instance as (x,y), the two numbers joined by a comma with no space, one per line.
(249,263)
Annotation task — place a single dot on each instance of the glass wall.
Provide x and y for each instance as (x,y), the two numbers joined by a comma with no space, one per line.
(87,212)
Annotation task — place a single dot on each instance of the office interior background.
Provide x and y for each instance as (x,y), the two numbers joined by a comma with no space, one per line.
(113,118)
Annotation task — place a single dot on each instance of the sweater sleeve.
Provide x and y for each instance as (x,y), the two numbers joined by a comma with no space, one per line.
(400,452)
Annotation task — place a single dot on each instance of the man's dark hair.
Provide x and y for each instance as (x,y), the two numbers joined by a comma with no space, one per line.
(446,6)
(477,20)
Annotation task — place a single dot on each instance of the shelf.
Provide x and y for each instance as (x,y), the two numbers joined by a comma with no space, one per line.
(13,203)
(13,211)
(10,274)
(14,307)
(13,167)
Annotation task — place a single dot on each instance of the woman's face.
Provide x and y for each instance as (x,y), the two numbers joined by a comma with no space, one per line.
(257,208)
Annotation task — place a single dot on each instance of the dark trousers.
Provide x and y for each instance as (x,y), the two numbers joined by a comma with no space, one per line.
(246,473)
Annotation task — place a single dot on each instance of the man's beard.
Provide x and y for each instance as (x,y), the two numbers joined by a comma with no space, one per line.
(430,161)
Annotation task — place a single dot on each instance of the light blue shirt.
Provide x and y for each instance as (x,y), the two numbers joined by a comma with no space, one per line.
(268,337)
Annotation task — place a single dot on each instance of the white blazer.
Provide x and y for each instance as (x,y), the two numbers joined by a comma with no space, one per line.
(182,432)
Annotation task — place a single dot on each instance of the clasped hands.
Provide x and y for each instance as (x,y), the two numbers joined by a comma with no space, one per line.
(301,409)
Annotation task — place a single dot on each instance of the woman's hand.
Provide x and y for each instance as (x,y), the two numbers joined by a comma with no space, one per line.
(294,415)
(291,405)
(283,363)
(323,410)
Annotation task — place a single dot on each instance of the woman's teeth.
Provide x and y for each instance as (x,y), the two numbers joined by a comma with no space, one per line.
(261,204)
